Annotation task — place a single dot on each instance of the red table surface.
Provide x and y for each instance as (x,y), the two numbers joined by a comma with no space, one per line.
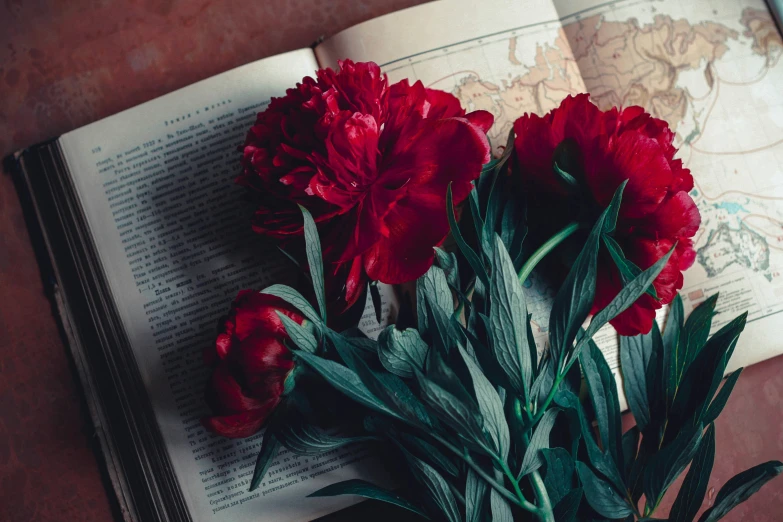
(66,64)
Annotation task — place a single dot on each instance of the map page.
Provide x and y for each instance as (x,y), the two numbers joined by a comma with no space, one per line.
(710,68)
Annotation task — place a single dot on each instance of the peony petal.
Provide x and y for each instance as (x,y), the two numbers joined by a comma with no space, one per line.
(351,234)
(639,160)
(255,312)
(579,119)
(441,104)
(407,252)
(407,107)
(228,393)
(362,87)
(354,282)
(413,191)
(534,145)
(350,165)
(481,119)
(676,217)
(645,252)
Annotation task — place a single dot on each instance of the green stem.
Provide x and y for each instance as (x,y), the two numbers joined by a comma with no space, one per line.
(558,379)
(518,491)
(468,294)
(544,504)
(527,506)
(542,497)
(544,249)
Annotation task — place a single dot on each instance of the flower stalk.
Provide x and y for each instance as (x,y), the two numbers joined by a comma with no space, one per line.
(546,248)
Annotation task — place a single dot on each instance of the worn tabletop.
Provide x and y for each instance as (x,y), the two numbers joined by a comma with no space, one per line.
(66,64)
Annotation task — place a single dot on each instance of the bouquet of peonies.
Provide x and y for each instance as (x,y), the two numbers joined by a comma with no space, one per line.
(361,182)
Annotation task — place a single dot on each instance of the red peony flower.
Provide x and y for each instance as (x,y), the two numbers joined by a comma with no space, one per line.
(371,162)
(657,212)
(250,364)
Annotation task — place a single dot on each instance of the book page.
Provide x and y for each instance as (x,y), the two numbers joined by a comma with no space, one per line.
(685,62)
(174,238)
(712,70)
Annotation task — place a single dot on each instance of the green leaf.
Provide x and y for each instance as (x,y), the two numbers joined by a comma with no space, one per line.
(475,493)
(718,403)
(459,414)
(575,298)
(295,299)
(375,295)
(314,260)
(601,461)
(493,197)
(475,213)
(448,263)
(304,439)
(437,487)
(630,448)
(719,348)
(627,269)
(473,260)
(683,341)
(363,344)
(629,294)
(298,333)
(446,376)
(539,441)
(601,496)
(345,381)
(269,448)
(567,180)
(740,488)
(365,489)
(567,507)
(613,210)
(695,332)
(671,349)
(401,351)
(490,406)
(425,450)
(513,229)
(602,389)
(544,380)
(666,465)
(441,334)
(507,316)
(702,378)
(386,387)
(501,510)
(559,477)
(433,288)
(636,476)
(636,354)
(693,488)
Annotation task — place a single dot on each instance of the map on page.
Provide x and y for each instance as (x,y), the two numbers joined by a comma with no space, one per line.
(711,69)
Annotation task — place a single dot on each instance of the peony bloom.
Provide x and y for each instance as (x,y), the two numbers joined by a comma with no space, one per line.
(372,164)
(602,150)
(250,364)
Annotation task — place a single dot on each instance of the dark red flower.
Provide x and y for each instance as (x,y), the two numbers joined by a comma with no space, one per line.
(250,364)
(371,162)
(657,212)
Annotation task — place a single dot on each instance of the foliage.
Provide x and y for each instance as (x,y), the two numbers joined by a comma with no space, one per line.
(490,428)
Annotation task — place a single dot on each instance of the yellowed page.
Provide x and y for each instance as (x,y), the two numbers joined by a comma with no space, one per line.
(175,243)
(711,68)
(507,57)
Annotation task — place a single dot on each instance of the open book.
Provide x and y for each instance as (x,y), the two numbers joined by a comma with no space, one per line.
(149,241)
